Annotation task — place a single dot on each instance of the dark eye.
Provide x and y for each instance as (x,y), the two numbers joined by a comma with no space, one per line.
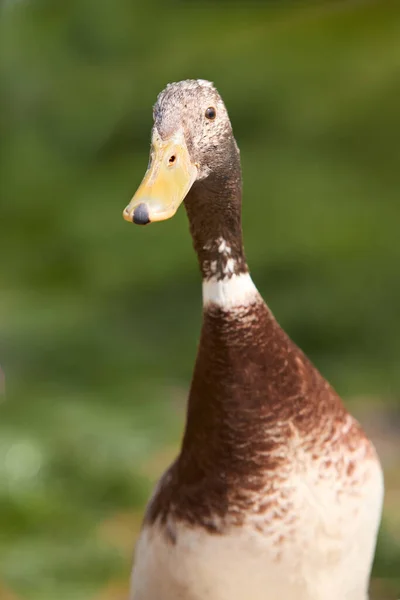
(211,113)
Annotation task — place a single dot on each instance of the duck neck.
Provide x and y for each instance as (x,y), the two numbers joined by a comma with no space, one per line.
(230,367)
(214,211)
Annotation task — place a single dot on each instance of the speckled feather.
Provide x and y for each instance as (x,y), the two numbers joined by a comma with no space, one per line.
(258,413)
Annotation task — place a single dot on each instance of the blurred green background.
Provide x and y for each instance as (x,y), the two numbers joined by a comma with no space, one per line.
(99,320)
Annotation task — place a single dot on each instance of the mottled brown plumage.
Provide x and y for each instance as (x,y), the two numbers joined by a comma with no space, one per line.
(253,391)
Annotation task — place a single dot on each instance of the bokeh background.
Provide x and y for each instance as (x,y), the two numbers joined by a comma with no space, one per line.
(99,320)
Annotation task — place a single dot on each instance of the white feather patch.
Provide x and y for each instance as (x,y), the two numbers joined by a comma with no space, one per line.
(205,83)
(230,292)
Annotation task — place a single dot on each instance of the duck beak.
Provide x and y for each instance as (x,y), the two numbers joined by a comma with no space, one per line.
(168,179)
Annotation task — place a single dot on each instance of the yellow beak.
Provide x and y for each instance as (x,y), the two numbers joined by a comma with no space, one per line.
(168,179)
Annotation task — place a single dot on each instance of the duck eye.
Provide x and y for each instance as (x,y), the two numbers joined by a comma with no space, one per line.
(211,113)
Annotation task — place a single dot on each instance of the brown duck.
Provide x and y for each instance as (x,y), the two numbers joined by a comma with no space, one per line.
(277,492)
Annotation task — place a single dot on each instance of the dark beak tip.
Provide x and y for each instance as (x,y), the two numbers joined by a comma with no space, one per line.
(141,215)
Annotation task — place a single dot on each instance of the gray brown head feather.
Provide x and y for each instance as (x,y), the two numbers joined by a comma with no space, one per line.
(183,105)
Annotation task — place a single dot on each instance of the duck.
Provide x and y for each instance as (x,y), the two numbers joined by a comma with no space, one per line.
(276,492)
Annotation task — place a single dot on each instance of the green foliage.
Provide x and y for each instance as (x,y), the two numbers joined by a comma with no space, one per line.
(99,320)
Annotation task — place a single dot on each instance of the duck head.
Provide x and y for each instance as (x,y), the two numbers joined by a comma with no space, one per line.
(192,142)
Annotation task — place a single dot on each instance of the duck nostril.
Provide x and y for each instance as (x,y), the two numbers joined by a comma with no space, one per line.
(172,159)
(141,215)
